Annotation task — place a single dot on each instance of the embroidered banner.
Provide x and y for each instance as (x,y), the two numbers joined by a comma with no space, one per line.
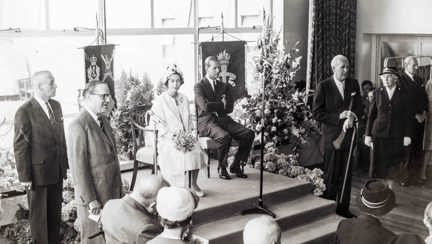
(99,64)
(231,56)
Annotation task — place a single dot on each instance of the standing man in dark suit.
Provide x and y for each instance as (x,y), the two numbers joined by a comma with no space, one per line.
(388,128)
(413,85)
(332,109)
(40,155)
(214,102)
(93,158)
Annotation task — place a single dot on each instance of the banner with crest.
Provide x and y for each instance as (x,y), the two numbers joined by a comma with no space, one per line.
(231,56)
(99,64)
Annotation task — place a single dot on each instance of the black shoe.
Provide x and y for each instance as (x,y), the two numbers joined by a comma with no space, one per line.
(223,173)
(238,173)
(346,214)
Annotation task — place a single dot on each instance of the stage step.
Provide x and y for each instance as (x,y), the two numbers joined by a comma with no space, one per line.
(290,214)
(317,232)
(225,209)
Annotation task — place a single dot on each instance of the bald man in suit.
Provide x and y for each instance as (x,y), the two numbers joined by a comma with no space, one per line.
(40,155)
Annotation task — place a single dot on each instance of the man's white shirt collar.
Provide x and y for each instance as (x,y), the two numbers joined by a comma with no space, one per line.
(340,86)
(390,91)
(212,82)
(409,75)
(43,105)
(93,115)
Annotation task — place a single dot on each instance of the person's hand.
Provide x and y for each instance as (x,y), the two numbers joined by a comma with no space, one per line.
(95,207)
(368,141)
(27,185)
(352,116)
(406,141)
(223,100)
(344,114)
(420,118)
(348,123)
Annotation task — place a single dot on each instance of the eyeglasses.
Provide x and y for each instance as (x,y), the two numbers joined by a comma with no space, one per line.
(103,96)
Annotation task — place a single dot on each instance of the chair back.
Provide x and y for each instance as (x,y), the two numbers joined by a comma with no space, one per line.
(144,135)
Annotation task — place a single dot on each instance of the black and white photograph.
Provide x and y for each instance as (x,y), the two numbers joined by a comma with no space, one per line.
(215,122)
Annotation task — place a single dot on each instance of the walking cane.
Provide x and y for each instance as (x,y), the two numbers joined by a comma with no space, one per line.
(348,164)
(371,161)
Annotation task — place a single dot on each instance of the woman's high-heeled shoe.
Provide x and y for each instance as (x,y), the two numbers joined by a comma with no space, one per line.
(199,192)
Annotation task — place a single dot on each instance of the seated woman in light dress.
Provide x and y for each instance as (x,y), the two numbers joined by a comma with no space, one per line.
(172,115)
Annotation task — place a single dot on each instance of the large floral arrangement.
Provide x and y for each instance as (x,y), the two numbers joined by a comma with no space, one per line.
(279,109)
(131,93)
(286,117)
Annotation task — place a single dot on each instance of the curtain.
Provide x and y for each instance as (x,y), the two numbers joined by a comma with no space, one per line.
(333,32)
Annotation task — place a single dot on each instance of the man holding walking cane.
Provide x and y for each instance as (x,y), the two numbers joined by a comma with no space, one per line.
(337,104)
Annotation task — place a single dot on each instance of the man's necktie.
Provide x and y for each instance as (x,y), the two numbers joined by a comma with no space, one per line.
(101,123)
(50,112)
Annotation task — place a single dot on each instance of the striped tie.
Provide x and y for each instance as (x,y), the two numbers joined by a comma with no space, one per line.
(50,112)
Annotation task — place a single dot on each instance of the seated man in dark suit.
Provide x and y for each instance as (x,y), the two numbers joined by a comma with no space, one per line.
(376,199)
(134,216)
(214,102)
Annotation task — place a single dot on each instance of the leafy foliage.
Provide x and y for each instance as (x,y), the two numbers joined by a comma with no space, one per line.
(131,93)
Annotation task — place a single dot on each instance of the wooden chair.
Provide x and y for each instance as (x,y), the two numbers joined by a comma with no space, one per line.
(145,140)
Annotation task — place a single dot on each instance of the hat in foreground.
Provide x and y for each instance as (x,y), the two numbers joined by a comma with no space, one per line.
(376,197)
(175,203)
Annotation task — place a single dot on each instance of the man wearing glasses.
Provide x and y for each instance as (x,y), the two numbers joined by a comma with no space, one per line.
(93,158)
(40,155)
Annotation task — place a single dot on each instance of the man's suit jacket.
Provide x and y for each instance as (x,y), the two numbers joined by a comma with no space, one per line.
(39,145)
(208,102)
(416,93)
(328,104)
(127,221)
(363,229)
(93,159)
(389,118)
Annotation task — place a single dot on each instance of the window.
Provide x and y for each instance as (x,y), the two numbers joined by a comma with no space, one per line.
(67,14)
(22,14)
(169,13)
(128,14)
(210,12)
(250,12)
(148,55)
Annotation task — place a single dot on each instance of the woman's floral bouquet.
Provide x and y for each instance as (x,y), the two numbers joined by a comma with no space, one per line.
(184,141)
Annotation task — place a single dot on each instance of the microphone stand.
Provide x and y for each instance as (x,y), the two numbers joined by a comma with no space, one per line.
(260,208)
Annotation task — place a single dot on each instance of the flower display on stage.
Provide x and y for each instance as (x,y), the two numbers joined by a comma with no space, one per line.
(280,107)
(285,115)
(287,164)
(184,141)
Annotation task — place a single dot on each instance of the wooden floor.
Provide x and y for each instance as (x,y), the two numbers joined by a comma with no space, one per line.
(411,201)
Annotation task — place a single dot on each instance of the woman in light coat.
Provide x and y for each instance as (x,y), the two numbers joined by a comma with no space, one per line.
(172,114)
